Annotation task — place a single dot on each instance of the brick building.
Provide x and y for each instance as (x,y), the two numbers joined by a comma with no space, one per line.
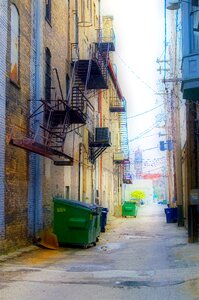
(60,114)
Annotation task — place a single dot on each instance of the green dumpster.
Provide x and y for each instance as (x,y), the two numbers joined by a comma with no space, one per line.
(74,222)
(129,209)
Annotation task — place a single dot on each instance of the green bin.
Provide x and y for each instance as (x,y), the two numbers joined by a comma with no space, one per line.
(74,222)
(129,209)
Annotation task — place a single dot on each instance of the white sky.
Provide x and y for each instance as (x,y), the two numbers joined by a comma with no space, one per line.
(139,29)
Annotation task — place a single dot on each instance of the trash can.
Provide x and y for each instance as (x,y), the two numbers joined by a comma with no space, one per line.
(171,214)
(104,219)
(74,222)
(129,209)
(98,220)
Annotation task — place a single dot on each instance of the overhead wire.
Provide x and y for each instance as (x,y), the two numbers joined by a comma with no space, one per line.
(145,112)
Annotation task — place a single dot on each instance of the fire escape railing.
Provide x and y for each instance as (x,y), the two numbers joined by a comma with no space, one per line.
(57,116)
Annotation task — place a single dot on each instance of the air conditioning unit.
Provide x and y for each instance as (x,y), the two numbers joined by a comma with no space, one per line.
(118,156)
(102,134)
(173,4)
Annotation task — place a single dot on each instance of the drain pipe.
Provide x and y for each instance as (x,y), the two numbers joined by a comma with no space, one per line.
(36,166)
(79,171)
(76,23)
(81,145)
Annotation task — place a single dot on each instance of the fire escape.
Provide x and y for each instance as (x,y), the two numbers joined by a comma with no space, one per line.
(118,105)
(101,138)
(52,120)
(127,178)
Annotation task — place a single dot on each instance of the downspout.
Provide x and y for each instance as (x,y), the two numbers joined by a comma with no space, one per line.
(101,120)
(69,25)
(37,162)
(76,23)
(81,145)
(79,171)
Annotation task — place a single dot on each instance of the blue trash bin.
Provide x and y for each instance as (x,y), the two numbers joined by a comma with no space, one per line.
(104,219)
(171,214)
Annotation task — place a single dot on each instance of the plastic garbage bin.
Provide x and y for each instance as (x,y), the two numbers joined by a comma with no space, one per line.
(74,222)
(171,214)
(98,220)
(129,209)
(104,219)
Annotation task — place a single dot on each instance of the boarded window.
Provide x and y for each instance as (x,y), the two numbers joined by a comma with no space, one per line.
(14,71)
(48,76)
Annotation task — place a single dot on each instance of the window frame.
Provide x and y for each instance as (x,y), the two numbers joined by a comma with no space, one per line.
(194,31)
(48,74)
(12,79)
(48,11)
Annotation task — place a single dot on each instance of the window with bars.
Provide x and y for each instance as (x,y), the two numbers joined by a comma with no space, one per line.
(48,75)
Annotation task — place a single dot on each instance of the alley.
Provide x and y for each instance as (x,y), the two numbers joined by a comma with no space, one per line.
(137,258)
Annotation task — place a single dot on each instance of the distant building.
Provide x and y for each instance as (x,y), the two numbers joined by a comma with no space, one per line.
(138,164)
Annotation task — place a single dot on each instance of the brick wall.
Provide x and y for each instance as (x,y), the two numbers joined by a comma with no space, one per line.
(55,38)
(3,49)
(17,110)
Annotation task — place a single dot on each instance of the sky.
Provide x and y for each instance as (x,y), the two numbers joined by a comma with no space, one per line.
(139,29)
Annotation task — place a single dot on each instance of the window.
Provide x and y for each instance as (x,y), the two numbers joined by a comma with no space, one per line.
(14,60)
(48,11)
(48,76)
(82,11)
(195,25)
(94,15)
(67,192)
(194,2)
(67,85)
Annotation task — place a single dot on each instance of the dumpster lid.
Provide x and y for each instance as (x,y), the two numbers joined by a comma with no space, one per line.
(89,206)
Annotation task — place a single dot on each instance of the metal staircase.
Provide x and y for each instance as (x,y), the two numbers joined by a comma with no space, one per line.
(127,178)
(96,63)
(91,75)
(52,120)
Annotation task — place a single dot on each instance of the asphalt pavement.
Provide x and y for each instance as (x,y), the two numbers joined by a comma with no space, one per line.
(136,258)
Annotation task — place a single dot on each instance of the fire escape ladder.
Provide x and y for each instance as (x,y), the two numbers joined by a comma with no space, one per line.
(102,56)
(88,71)
(49,137)
(125,148)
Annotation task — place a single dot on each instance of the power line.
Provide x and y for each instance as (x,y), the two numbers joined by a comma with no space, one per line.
(144,132)
(145,112)
(133,72)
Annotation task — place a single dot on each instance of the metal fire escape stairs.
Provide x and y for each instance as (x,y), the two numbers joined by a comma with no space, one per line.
(127,178)
(52,120)
(101,139)
(118,105)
